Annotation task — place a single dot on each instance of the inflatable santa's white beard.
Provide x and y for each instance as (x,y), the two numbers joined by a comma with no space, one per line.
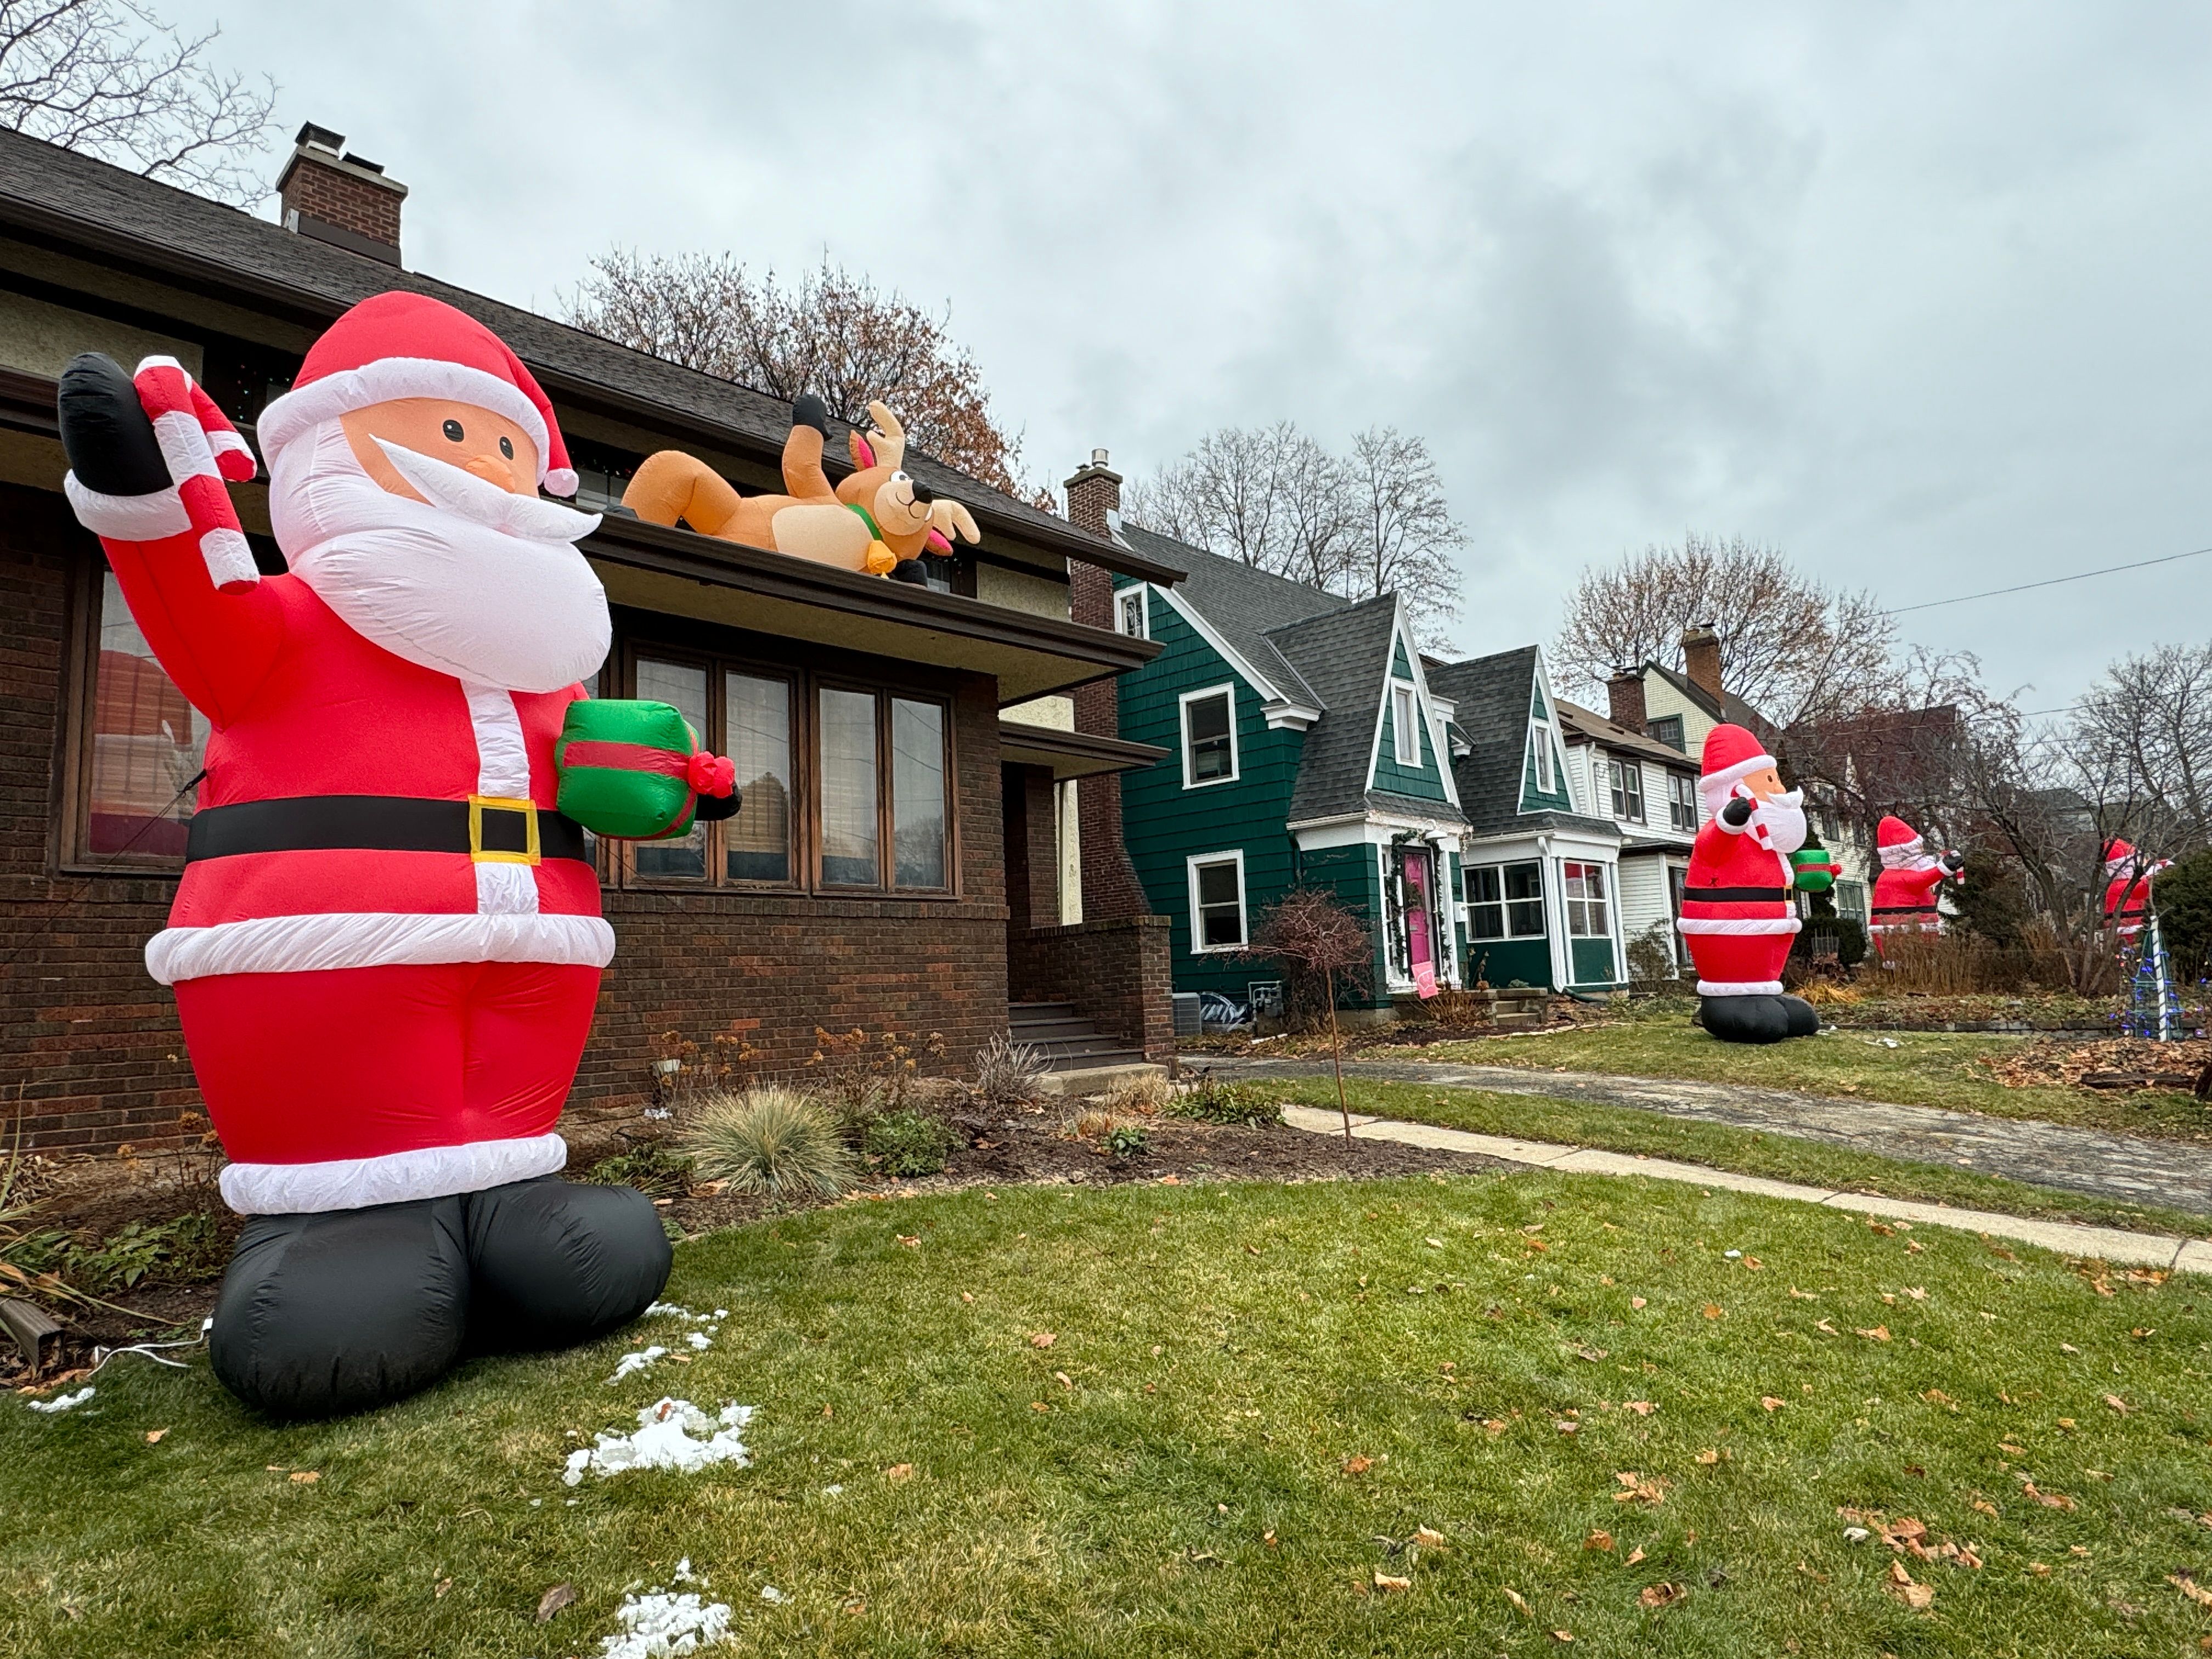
(476,582)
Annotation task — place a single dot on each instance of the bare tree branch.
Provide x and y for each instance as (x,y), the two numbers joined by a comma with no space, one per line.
(832,332)
(109,79)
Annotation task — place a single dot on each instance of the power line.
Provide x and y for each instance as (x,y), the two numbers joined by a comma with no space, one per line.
(2082,576)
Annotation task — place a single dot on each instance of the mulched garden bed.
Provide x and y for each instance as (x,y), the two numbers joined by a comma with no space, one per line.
(2115,1063)
(99,1199)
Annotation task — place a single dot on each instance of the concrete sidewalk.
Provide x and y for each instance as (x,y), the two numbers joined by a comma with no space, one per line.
(2067,1238)
(2132,1169)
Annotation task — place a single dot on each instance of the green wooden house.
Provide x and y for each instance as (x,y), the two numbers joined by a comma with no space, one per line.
(1306,746)
(1539,893)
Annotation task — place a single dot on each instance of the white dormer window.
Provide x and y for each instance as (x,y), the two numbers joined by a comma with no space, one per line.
(1543,737)
(1405,733)
(1129,616)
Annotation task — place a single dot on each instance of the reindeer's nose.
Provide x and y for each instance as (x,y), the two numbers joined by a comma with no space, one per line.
(923,493)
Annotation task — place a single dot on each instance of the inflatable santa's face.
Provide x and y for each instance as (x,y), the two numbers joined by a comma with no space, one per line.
(480,441)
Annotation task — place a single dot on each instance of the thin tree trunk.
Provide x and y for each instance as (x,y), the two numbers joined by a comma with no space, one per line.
(1336,1055)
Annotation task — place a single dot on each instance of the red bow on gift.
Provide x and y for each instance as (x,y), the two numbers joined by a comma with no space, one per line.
(712,774)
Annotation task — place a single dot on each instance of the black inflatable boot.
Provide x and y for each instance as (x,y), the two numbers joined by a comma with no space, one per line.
(342,1310)
(554,1263)
(1745,1019)
(1804,1018)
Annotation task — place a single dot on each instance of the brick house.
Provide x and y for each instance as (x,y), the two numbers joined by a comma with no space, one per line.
(958,878)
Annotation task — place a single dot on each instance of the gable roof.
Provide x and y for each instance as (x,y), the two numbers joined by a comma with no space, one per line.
(1728,706)
(1241,605)
(1494,695)
(133,225)
(1578,721)
(1344,653)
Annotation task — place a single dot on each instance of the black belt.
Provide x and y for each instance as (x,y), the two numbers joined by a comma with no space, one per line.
(489,828)
(1736,895)
(1907,910)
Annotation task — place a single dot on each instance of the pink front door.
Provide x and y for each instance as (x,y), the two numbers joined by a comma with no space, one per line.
(1419,953)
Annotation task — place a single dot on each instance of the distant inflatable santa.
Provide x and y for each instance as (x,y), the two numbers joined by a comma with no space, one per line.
(2128,876)
(385,947)
(1737,915)
(1905,893)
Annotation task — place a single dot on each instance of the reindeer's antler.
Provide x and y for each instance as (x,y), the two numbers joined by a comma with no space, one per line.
(886,436)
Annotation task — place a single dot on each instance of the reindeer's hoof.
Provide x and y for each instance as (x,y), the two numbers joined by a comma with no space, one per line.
(807,409)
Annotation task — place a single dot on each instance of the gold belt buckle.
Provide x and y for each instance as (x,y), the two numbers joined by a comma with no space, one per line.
(478,803)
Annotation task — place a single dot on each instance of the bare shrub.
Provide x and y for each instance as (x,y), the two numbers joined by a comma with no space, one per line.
(1009,1074)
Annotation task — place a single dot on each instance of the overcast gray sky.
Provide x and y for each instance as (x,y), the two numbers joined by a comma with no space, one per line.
(1916,292)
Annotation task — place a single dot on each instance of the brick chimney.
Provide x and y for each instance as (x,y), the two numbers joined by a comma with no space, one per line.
(1701,657)
(1110,889)
(1624,699)
(1092,493)
(329,195)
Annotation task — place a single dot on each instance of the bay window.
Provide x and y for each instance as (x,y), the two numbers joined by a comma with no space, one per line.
(1504,901)
(1587,908)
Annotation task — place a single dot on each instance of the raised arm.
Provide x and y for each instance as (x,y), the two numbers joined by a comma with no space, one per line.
(148,458)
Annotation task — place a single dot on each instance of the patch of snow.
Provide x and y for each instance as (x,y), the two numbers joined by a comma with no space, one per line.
(64,1402)
(631,1363)
(659,1113)
(1732,1255)
(832,1491)
(700,1340)
(659,1625)
(664,1440)
(683,1575)
(773,1596)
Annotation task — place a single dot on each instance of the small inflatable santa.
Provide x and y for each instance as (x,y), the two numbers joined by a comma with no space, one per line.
(1905,899)
(1737,915)
(386,943)
(2127,891)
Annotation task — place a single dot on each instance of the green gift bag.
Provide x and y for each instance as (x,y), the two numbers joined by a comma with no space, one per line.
(1815,871)
(632,770)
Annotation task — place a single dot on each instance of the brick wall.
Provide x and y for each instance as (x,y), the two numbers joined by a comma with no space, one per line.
(90,1053)
(1116,972)
(340,198)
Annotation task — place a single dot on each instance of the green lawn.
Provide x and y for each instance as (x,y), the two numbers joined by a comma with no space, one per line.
(1243,1395)
(1724,1146)
(1923,1068)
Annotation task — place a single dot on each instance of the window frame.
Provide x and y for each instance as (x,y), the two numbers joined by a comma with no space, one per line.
(619,863)
(70,835)
(1141,593)
(1196,861)
(1682,802)
(1494,902)
(1625,781)
(1590,915)
(1182,716)
(1404,717)
(1546,780)
(1513,905)
(1670,723)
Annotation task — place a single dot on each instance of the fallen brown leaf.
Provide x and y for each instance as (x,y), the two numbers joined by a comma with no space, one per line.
(443,1585)
(1638,1490)
(2049,1500)
(1714,1311)
(554,1600)
(305,1477)
(1875,1334)
(1063,1379)
(1043,1340)
(1770,1402)
(1520,1606)
(2118,1404)
(1637,1302)
(1900,1584)
(1600,1539)
(1660,1595)
(154,1435)
(2189,1587)
(1563,1636)
(1709,1457)
(1641,1407)
(1632,1557)
(1986,1507)
(1357,1465)
(1428,1538)
(1797,1295)
(899,1472)
(1388,1585)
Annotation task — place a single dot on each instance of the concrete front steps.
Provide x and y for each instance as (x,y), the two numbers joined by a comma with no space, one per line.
(1085,1060)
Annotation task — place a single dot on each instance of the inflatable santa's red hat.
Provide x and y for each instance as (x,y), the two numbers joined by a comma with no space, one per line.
(410,345)
(1900,843)
(1730,754)
(2119,855)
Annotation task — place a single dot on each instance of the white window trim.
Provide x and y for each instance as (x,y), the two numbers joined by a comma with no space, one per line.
(1547,774)
(1183,719)
(1142,593)
(1198,947)
(1404,698)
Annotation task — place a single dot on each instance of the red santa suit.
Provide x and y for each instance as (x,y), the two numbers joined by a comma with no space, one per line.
(385,946)
(2127,890)
(1736,915)
(1904,892)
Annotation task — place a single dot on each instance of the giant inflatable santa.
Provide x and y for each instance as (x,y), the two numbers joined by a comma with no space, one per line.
(1737,917)
(1905,899)
(386,943)
(2127,888)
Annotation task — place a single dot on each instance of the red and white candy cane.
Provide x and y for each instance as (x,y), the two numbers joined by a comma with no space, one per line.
(202,449)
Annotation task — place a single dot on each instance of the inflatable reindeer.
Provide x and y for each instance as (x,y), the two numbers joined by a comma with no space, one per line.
(879,520)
